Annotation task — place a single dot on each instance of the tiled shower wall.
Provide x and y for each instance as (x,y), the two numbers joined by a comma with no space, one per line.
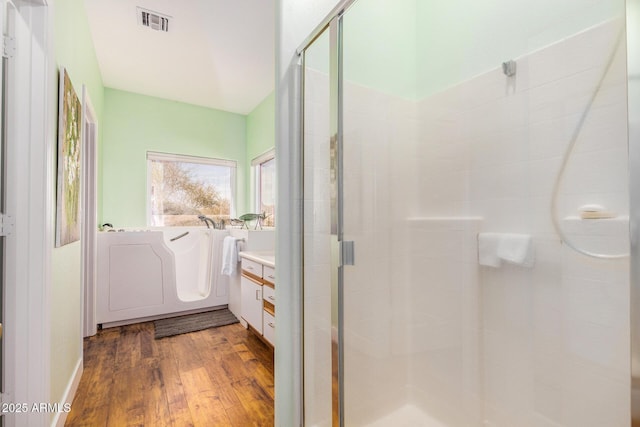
(424,323)
(412,317)
(554,339)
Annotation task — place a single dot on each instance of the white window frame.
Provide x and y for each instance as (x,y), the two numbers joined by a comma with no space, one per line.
(169,157)
(255,170)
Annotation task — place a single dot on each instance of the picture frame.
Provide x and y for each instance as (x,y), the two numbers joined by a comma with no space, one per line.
(69,163)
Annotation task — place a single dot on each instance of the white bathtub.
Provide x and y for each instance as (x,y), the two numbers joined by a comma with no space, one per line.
(159,273)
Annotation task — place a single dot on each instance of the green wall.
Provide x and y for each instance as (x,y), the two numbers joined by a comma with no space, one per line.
(460,39)
(413,48)
(73,50)
(134,124)
(261,137)
(380,39)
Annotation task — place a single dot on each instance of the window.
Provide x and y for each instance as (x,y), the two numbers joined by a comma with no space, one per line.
(182,187)
(264,167)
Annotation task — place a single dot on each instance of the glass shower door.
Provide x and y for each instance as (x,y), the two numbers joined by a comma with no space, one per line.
(317,295)
(487,288)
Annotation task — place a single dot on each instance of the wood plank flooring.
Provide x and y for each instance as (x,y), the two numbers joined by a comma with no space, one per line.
(216,377)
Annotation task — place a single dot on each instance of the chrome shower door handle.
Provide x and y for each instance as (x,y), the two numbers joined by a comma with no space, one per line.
(347,253)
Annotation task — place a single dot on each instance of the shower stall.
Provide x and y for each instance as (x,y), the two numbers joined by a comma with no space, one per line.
(466,214)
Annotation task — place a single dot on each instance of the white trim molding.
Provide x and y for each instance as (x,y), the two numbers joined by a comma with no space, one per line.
(64,405)
(255,191)
(89,240)
(267,155)
(168,157)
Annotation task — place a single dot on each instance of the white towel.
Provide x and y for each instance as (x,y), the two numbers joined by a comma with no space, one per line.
(488,249)
(516,249)
(229,255)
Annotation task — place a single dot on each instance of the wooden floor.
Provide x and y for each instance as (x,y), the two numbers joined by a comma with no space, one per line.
(216,377)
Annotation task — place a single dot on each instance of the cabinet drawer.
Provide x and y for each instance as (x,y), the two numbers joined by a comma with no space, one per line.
(269,330)
(269,294)
(252,267)
(269,274)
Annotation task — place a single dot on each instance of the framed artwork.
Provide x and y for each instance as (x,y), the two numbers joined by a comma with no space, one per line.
(69,144)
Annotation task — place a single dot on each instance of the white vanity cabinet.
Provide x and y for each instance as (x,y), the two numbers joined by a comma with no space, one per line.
(258,295)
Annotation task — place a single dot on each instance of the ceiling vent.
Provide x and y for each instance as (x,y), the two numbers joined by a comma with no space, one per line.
(154,20)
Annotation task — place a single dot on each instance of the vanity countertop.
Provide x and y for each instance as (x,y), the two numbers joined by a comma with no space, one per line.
(267,258)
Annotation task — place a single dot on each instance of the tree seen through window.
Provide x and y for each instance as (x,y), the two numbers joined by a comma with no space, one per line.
(182,190)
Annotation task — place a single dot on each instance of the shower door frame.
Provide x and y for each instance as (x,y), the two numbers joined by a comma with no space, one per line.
(333,22)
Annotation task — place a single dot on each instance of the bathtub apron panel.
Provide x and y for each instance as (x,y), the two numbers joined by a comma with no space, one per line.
(152,274)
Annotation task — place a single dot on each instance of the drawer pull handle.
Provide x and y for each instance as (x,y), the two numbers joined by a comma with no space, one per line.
(249,267)
(271,277)
(271,298)
(272,325)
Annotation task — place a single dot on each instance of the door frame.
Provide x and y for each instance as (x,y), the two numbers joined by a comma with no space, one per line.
(89,240)
(338,247)
(30,197)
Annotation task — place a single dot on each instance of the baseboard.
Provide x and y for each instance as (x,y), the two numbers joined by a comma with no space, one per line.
(69,393)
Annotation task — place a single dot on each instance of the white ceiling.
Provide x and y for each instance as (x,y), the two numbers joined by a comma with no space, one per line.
(217,53)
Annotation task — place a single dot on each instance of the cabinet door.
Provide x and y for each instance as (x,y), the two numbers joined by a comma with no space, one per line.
(251,300)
